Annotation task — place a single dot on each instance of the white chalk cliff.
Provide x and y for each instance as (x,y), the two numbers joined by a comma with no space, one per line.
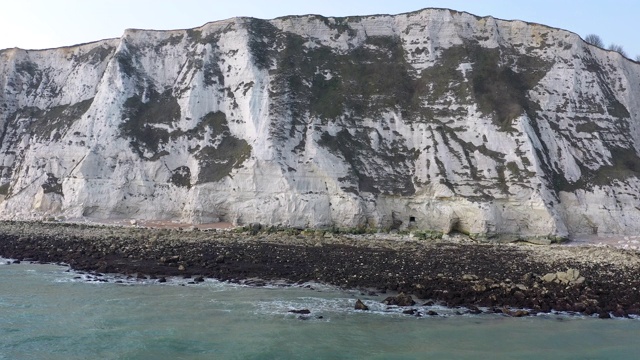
(434,119)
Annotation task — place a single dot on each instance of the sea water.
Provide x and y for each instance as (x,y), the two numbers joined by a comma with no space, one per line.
(49,312)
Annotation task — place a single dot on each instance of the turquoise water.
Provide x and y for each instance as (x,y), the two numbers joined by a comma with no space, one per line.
(46,313)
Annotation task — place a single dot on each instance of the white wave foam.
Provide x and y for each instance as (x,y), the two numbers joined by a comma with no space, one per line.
(325,309)
(6,261)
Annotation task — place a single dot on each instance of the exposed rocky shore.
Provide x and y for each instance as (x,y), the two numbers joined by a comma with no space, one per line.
(453,271)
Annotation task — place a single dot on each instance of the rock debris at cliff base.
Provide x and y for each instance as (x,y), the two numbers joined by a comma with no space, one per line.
(583,279)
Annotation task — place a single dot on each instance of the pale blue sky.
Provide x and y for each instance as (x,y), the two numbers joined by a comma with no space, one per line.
(35,24)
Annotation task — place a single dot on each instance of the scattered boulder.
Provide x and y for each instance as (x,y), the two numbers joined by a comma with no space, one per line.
(604,315)
(569,277)
(410,312)
(360,305)
(301,311)
(432,313)
(514,313)
(520,313)
(479,288)
(170,259)
(255,228)
(399,300)
(162,280)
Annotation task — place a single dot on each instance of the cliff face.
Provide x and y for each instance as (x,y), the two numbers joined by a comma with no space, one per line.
(435,119)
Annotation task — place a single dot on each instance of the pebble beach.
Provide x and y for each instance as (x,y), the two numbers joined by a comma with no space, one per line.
(517,279)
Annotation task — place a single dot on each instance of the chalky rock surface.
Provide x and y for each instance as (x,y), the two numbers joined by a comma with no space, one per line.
(434,119)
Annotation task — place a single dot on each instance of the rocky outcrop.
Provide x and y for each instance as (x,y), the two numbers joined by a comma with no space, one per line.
(360,305)
(401,299)
(435,119)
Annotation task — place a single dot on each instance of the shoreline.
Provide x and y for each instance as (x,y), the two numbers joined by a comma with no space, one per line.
(456,272)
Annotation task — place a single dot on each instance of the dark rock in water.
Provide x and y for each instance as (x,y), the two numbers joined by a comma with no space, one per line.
(16,261)
(474,310)
(141,277)
(604,315)
(302,317)
(301,311)
(162,280)
(410,311)
(619,312)
(432,313)
(320,317)
(516,313)
(400,300)
(360,305)
(198,279)
(520,313)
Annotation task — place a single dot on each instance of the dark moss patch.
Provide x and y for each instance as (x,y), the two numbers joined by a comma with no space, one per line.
(4,188)
(501,91)
(126,62)
(181,176)
(217,161)
(211,38)
(139,120)
(386,170)
(52,123)
(625,163)
(214,123)
(326,84)
(212,72)
(262,37)
(614,107)
(588,127)
(217,157)
(170,41)
(27,68)
(52,185)
(96,55)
